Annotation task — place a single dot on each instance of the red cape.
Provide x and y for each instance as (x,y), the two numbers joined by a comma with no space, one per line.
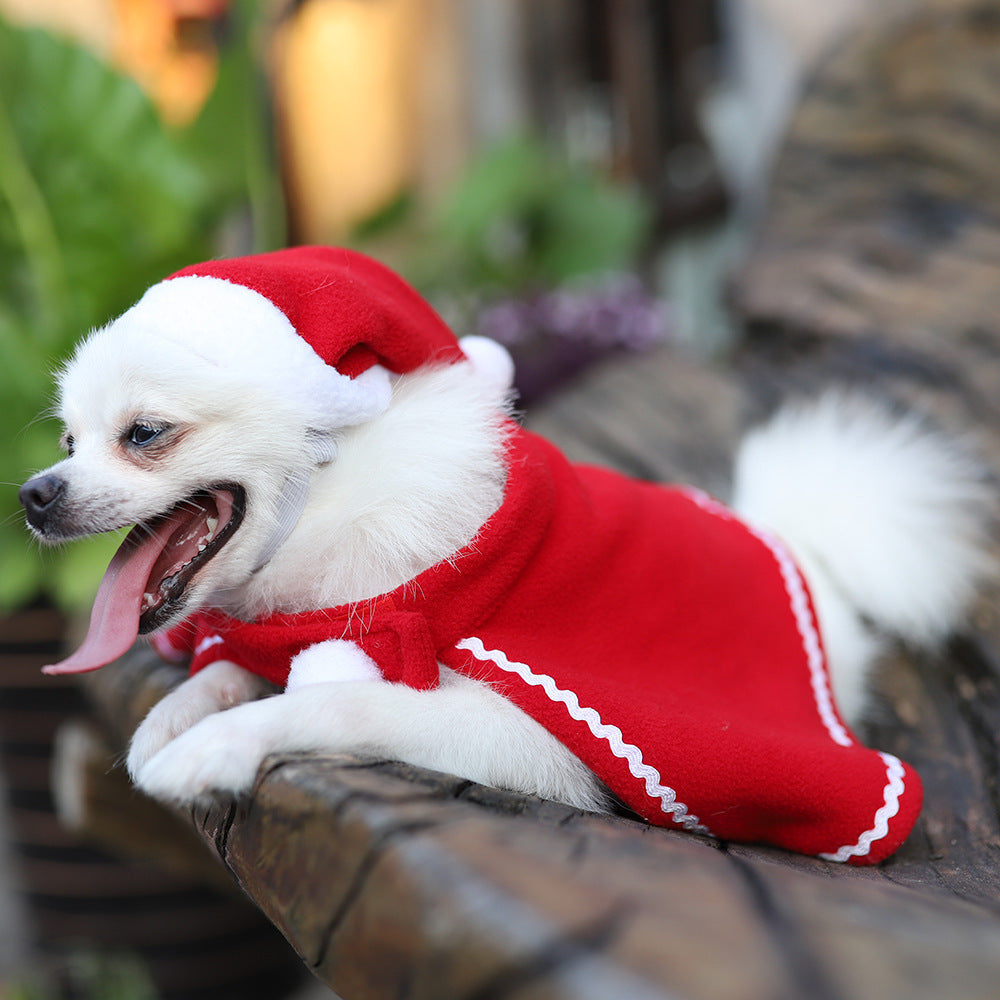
(673,648)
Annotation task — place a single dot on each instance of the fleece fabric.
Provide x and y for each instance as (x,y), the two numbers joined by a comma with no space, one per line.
(673,648)
(353,311)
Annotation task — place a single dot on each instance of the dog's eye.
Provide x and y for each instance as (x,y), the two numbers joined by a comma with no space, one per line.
(68,444)
(143,434)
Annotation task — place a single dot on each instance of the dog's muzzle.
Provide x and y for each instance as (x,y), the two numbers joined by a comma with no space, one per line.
(40,498)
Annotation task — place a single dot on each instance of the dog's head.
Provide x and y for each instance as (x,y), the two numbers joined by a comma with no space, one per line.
(199,417)
(160,437)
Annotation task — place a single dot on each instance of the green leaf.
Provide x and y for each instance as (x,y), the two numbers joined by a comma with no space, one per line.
(524,219)
(231,138)
(23,572)
(98,200)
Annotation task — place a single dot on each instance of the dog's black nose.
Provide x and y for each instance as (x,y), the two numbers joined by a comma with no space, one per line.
(38,496)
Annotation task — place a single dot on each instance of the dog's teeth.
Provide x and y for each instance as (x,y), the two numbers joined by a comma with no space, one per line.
(213,523)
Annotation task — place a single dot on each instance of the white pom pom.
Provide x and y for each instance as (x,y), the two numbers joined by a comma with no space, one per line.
(490,360)
(335,660)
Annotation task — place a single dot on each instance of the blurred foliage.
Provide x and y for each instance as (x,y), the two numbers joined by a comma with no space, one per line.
(534,252)
(87,975)
(98,200)
(521,220)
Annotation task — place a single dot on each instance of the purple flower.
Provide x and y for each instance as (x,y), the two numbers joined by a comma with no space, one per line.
(555,334)
(618,312)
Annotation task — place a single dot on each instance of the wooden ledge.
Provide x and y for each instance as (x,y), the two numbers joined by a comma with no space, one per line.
(390,881)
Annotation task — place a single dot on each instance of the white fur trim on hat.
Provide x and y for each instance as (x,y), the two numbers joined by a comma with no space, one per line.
(238,329)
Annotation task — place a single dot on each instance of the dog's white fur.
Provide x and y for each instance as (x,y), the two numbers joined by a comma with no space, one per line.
(885,516)
(888,519)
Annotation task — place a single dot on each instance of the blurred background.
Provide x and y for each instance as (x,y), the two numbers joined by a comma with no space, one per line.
(574,178)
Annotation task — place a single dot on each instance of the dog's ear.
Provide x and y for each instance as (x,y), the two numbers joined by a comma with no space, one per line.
(322,446)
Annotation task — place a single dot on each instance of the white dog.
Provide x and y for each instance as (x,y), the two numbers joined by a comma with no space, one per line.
(197,417)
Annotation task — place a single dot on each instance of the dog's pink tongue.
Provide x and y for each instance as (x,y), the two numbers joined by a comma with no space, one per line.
(114,619)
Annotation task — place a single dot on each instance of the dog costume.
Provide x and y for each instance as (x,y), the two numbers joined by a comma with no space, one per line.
(673,648)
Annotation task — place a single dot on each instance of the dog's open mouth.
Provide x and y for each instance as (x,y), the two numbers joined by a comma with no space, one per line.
(146,582)
(195,530)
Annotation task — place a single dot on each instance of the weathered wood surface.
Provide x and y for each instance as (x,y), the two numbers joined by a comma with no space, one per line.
(879,255)
(878,263)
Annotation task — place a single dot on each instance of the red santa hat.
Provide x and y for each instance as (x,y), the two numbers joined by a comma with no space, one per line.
(324,327)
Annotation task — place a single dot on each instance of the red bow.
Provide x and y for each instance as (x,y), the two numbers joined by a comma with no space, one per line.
(398,641)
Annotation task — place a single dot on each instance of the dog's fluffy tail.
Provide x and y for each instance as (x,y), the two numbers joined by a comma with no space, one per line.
(895,514)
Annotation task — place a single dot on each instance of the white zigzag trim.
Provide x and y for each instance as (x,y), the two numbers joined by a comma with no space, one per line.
(632,755)
(207,643)
(795,587)
(804,621)
(810,637)
(893,790)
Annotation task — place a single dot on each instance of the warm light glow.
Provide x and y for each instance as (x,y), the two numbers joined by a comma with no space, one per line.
(177,69)
(344,87)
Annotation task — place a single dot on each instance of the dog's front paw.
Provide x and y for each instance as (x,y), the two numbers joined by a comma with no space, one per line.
(218,756)
(154,733)
(219,686)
